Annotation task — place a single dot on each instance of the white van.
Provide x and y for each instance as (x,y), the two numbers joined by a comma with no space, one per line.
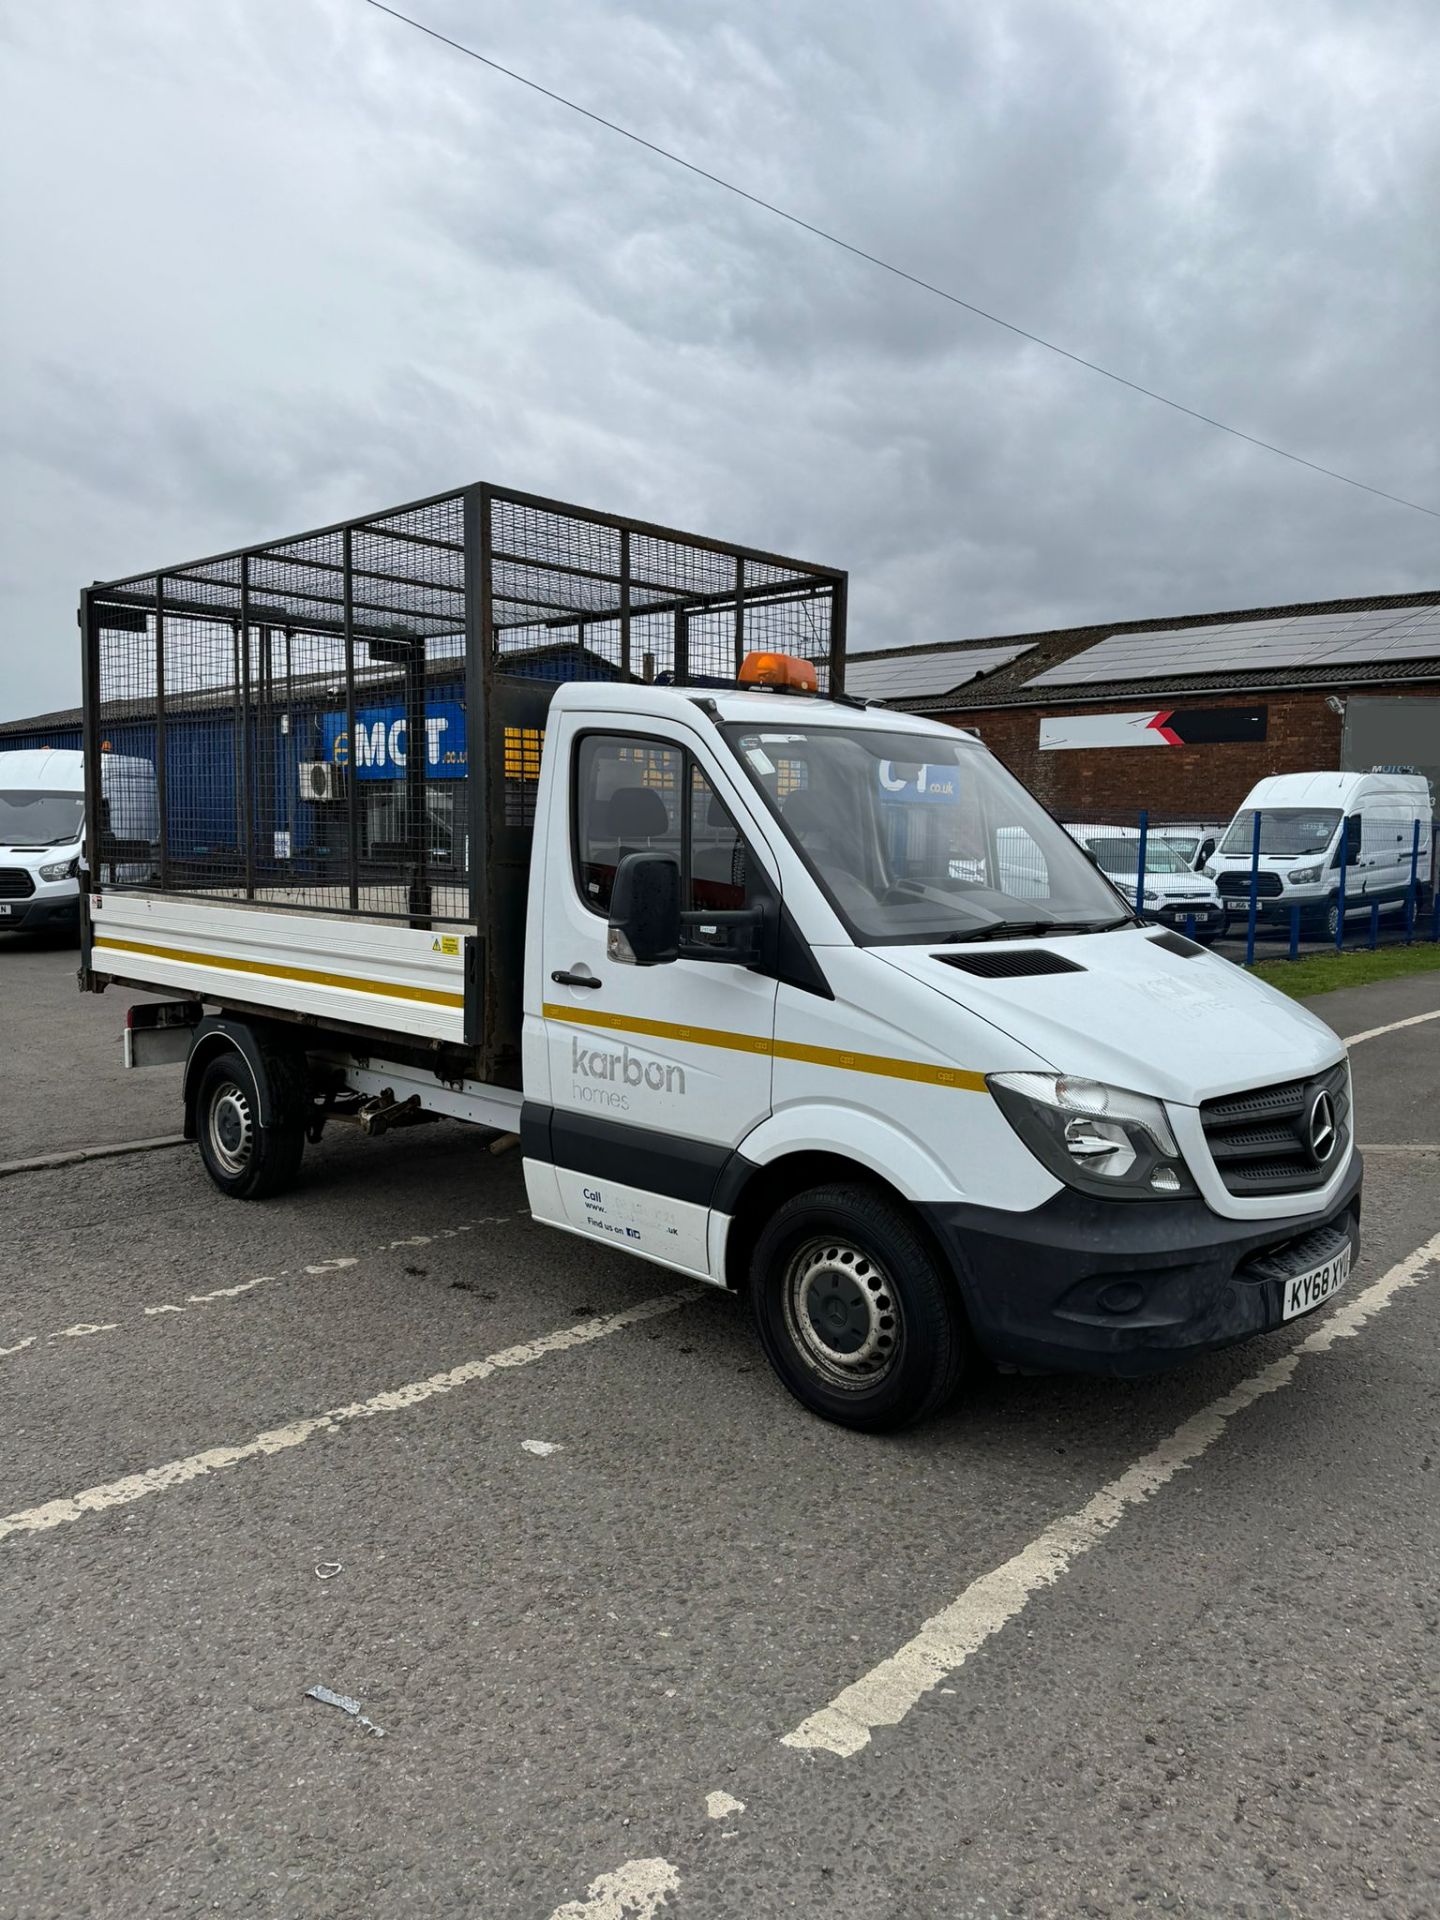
(1301,820)
(1173,895)
(1194,840)
(42,830)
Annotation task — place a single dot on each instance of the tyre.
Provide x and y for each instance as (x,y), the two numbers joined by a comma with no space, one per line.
(853,1310)
(246,1160)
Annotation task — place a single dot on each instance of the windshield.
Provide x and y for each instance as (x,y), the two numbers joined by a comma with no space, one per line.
(1283,830)
(917,838)
(32,819)
(1118,855)
(1184,844)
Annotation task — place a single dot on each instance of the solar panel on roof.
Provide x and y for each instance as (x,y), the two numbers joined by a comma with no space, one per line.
(918,676)
(1241,646)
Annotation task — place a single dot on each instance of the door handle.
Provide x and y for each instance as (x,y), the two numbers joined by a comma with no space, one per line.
(564,978)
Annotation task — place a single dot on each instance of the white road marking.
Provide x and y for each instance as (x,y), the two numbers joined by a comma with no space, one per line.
(636,1891)
(233,1293)
(335,1265)
(1374,1033)
(177,1473)
(720,1805)
(542,1447)
(882,1697)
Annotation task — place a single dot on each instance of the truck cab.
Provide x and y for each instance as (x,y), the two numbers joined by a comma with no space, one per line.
(800,1019)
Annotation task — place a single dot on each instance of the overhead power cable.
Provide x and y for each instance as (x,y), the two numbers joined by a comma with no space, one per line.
(888,266)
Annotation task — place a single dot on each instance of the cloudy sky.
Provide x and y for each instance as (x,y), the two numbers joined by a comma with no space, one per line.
(267,263)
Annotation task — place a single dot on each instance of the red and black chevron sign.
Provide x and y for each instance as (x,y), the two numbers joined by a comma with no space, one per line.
(1162,727)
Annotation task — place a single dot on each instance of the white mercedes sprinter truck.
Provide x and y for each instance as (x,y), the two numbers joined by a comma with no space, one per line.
(747,970)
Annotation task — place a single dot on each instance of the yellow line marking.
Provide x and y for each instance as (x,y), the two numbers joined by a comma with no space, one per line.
(894,1069)
(307,976)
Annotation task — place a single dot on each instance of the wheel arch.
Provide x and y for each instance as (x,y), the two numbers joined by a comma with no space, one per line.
(759,1190)
(225,1033)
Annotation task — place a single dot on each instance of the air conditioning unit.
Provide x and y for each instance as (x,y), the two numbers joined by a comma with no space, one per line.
(321,780)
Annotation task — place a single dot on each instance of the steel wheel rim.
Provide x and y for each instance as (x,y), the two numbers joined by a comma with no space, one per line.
(230,1128)
(841,1314)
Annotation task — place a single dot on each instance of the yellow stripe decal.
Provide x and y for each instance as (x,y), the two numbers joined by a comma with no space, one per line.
(893,1069)
(307,976)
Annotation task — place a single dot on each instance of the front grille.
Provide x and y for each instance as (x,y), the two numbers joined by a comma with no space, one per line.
(1260,1140)
(15,884)
(1235,886)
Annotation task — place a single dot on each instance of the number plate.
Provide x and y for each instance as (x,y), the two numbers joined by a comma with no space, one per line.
(1307,1290)
(4,908)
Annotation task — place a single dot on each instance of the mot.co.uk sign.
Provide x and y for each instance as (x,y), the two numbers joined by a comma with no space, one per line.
(381,747)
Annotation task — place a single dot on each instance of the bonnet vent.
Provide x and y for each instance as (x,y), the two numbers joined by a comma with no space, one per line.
(1177,943)
(1013,965)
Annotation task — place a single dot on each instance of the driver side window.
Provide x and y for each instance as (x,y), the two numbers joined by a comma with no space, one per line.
(633,795)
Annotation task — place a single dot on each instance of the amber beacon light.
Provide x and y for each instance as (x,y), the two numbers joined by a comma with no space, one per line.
(784,670)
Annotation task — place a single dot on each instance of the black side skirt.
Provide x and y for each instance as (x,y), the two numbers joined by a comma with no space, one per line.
(690,1170)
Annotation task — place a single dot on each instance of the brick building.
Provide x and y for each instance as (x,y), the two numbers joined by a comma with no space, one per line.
(1217,700)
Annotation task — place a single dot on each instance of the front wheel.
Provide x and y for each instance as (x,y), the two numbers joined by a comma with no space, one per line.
(853,1310)
(245,1159)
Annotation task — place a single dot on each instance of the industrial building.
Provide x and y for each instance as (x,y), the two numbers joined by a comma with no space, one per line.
(1182,716)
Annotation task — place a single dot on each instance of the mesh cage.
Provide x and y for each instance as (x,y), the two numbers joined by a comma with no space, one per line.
(578,597)
(338,721)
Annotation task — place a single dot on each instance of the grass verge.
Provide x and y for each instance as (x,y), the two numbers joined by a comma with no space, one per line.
(1323,972)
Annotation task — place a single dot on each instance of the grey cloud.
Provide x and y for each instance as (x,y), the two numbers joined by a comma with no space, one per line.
(282,260)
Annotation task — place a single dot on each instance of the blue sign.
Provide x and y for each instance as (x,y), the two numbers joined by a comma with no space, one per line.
(381,749)
(903,780)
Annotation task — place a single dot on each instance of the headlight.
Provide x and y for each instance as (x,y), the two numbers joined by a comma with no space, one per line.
(61,870)
(1151,899)
(1304,876)
(1098,1138)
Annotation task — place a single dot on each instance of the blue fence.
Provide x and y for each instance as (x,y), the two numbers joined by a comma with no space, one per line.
(1278,883)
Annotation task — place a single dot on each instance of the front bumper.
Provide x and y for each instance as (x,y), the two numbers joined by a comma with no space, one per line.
(39,914)
(1128,1287)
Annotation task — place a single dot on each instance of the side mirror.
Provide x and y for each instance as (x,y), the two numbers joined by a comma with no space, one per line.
(645,911)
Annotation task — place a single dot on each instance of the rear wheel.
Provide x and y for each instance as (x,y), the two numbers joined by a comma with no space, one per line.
(248,1159)
(853,1310)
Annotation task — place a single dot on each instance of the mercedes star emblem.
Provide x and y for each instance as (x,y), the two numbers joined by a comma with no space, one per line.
(1322,1128)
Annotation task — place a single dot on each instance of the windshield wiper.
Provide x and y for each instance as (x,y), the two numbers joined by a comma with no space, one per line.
(1020,929)
(999,930)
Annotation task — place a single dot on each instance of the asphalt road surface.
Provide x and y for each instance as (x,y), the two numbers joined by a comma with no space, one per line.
(1183,1649)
